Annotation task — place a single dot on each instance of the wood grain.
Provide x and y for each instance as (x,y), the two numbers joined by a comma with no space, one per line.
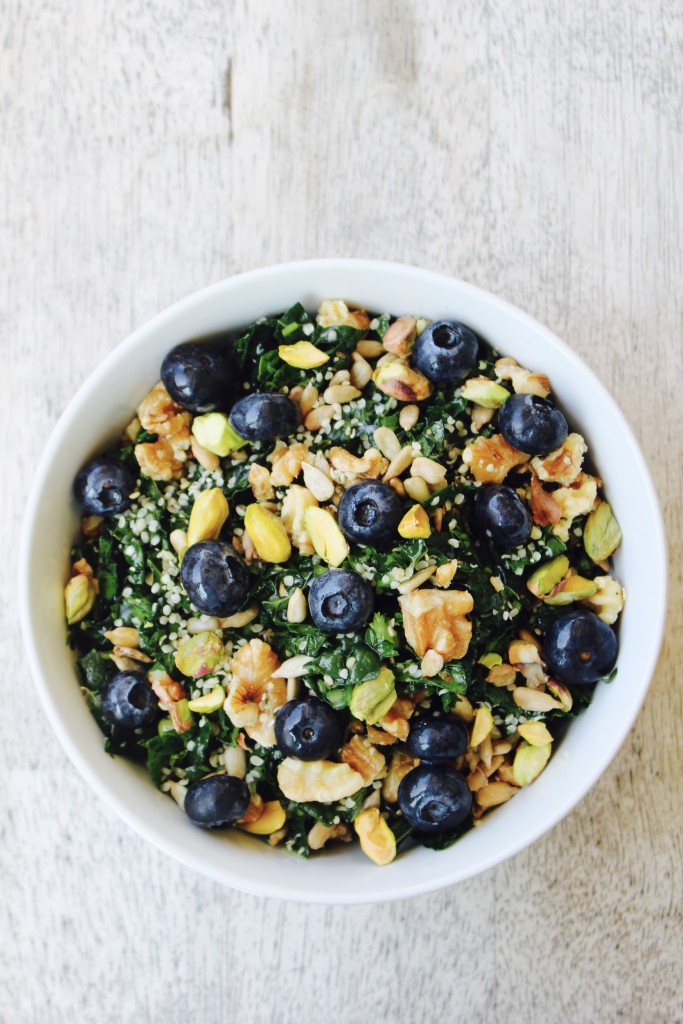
(150,148)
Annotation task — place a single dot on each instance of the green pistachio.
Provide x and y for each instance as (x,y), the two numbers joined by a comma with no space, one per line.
(370,701)
(326,537)
(400,381)
(213,432)
(529,762)
(546,578)
(208,515)
(209,702)
(573,588)
(79,597)
(164,725)
(199,655)
(483,391)
(489,660)
(601,534)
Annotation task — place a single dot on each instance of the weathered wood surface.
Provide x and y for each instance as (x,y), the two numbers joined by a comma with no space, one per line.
(148,149)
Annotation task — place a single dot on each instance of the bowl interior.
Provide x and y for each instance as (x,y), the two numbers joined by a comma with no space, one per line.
(104,404)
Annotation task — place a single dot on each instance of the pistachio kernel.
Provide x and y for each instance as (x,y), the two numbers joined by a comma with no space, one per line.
(213,432)
(371,700)
(199,655)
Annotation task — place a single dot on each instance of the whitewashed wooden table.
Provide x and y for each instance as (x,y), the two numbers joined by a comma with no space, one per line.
(151,148)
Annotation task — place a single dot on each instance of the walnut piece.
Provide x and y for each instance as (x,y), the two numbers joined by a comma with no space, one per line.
(564,464)
(490,459)
(435,619)
(577,500)
(365,759)
(524,381)
(163,459)
(254,694)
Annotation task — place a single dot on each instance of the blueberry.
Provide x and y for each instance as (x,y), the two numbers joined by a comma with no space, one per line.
(340,601)
(580,648)
(437,739)
(129,701)
(103,487)
(434,798)
(215,577)
(263,417)
(532,424)
(217,801)
(502,515)
(308,729)
(369,513)
(445,351)
(199,376)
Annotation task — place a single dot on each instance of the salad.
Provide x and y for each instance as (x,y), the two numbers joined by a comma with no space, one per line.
(345,577)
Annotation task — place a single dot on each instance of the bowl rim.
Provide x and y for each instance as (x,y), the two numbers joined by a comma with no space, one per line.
(264,887)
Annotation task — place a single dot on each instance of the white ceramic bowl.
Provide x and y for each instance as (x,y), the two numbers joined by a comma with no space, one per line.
(96,415)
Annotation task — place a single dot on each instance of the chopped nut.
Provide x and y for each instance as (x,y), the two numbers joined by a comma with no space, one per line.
(203,456)
(428,470)
(132,430)
(326,537)
(369,348)
(432,663)
(309,397)
(399,464)
(417,488)
(534,700)
(292,667)
(133,653)
(561,693)
(490,459)
(178,539)
(253,811)
(501,675)
(365,759)
(601,533)
(497,583)
(385,439)
(318,483)
(377,840)
(295,503)
(399,336)
(484,392)
(523,381)
(399,766)
(91,526)
(199,655)
(361,371)
(563,465)
(494,794)
(409,416)
(208,515)
(255,694)
(445,573)
(521,652)
(318,417)
(123,635)
(416,580)
(296,606)
(480,417)
(341,394)
(436,619)
(530,761)
(159,414)
(397,485)
(321,834)
(79,597)
(535,733)
(321,781)
(372,464)
(415,523)
(158,460)
(483,724)
(402,382)
(303,355)
(608,600)
(269,821)
(574,501)
(259,481)
(396,719)
(379,737)
(463,709)
(335,313)
(239,619)
(544,509)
